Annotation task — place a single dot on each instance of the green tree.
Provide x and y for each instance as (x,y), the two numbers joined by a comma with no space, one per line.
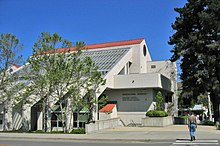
(62,77)
(43,75)
(9,55)
(159,101)
(85,87)
(196,43)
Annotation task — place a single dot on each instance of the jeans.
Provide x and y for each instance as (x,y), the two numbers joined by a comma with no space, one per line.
(192,130)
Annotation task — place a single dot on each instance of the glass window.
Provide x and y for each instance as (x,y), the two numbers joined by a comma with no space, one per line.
(153,66)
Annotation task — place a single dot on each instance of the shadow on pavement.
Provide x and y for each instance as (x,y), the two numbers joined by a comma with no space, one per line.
(183,139)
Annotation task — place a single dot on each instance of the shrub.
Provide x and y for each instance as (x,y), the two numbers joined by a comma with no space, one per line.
(218,127)
(15,131)
(39,131)
(156,113)
(78,131)
(184,117)
(208,123)
(159,101)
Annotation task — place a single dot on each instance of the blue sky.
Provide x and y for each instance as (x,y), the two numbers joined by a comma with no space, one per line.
(92,21)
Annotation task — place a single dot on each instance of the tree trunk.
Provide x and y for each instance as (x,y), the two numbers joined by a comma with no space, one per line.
(69,113)
(216,102)
(25,123)
(77,111)
(7,115)
(216,111)
(47,115)
(63,115)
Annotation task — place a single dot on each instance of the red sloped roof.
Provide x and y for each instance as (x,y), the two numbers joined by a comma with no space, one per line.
(113,44)
(107,108)
(15,65)
(101,45)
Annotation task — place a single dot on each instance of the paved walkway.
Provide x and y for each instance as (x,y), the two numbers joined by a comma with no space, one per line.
(173,132)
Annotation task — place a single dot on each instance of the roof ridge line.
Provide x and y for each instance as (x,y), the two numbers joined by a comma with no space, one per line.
(117,41)
(99,45)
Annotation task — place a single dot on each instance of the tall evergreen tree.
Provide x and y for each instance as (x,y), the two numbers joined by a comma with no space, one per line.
(196,41)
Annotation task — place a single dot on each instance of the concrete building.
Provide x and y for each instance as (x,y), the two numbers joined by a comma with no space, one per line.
(132,81)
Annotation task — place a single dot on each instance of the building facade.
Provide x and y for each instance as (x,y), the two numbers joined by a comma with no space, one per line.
(132,81)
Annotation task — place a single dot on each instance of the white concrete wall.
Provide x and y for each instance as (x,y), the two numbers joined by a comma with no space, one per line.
(144,80)
(17,121)
(114,113)
(169,70)
(40,121)
(132,104)
(131,117)
(139,59)
(102,124)
(166,68)
(104,116)
(131,100)
(157,121)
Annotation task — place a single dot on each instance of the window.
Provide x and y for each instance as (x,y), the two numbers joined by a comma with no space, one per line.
(153,66)
(144,50)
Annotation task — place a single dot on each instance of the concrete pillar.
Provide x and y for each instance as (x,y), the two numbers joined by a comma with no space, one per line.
(26,118)
(39,120)
(7,122)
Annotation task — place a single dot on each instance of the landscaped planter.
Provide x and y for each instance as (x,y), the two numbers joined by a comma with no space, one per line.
(157,121)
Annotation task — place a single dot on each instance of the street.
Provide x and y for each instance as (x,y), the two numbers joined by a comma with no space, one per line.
(44,142)
(59,142)
(174,135)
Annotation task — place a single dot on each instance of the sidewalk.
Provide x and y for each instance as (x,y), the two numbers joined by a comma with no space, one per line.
(128,134)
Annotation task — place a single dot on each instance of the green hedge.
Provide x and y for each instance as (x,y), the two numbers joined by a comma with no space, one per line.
(184,117)
(78,131)
(209,123)
(156,113)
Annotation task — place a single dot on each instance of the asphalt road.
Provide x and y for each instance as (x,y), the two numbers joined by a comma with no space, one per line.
(38,142)
(174,135)
(46,142)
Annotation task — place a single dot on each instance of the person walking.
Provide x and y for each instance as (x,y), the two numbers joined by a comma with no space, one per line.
(192,125)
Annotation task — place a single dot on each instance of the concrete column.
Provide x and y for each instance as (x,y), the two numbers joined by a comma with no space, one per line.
(39,120)
(126,69)
(7,120)
(26,118)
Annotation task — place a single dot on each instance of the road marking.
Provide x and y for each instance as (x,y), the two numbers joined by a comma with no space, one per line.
(202,140)
(196,142)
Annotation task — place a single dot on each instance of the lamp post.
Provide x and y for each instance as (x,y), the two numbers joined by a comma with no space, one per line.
(209,104)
